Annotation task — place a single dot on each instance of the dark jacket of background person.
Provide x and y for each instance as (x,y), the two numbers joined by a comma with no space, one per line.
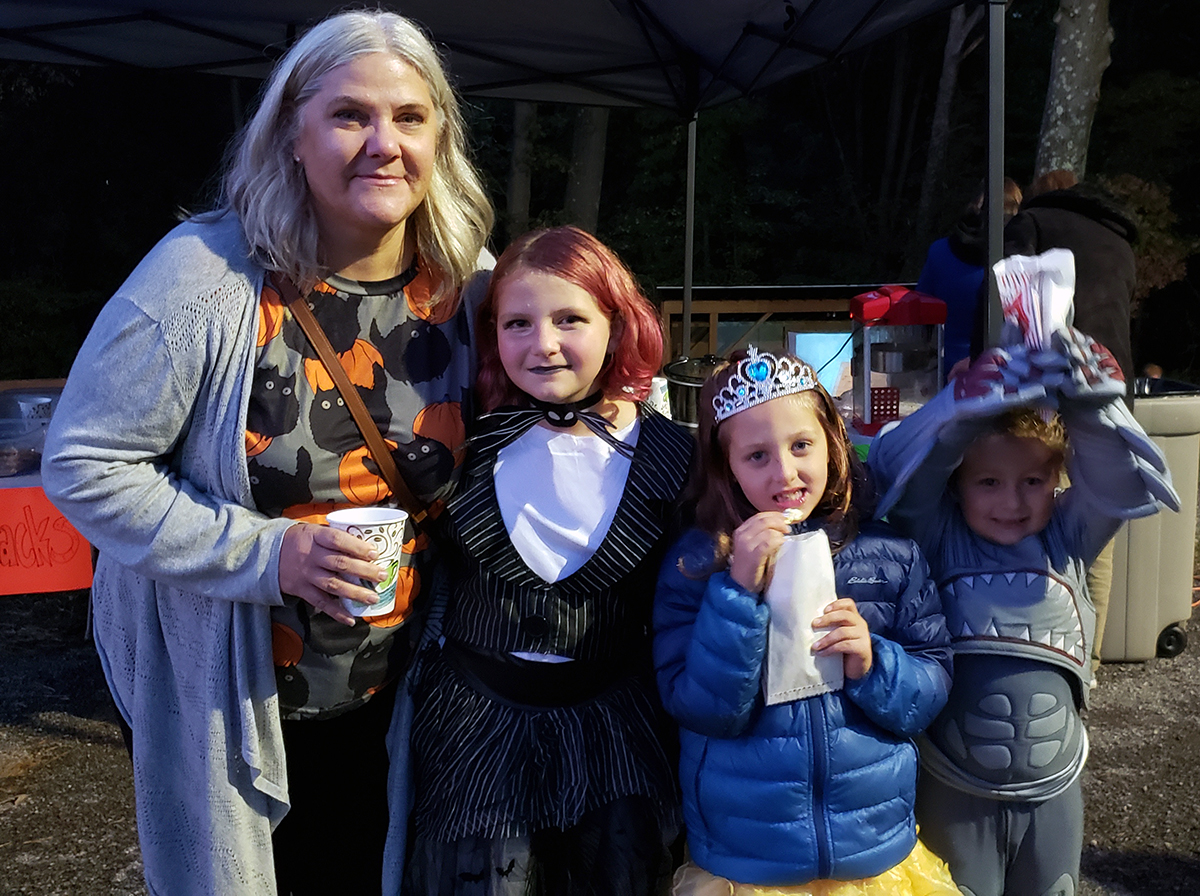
(1100,234)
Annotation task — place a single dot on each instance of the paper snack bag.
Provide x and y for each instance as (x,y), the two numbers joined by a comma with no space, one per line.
(802,586)
(1037,293)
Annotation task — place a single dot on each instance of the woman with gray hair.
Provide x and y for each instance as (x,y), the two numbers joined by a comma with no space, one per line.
(199,443)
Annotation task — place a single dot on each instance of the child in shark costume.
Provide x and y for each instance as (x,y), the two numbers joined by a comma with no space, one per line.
(1000,797)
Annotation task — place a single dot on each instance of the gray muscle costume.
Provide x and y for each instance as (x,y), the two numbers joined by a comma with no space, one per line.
(1004,757)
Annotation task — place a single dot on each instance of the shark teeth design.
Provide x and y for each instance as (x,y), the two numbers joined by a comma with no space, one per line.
(1077,649)
(1038,609)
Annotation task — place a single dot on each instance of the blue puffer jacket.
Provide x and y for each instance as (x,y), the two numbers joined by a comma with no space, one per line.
(819,788)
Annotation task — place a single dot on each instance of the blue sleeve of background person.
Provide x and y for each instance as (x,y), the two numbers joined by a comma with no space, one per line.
(1021,237)
(957,283)
(912,662)
(928,281)
(710,639)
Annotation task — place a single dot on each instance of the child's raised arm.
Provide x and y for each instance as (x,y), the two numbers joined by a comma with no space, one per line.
(1119,471)
(912,464)
(1122,473)
(913,461)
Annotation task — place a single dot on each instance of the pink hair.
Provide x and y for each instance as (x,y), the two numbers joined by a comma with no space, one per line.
(579,258)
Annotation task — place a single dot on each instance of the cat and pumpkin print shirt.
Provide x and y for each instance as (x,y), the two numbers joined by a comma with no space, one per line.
(413,367)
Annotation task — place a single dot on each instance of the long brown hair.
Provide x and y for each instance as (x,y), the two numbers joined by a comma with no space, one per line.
(714,502)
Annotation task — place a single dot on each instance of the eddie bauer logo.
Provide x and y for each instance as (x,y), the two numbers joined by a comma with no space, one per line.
(865,580)
(38,542)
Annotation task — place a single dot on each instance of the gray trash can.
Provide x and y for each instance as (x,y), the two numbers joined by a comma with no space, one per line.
(1154,557)
(685,378)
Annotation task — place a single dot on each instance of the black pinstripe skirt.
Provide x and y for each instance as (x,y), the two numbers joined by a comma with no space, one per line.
(486,767)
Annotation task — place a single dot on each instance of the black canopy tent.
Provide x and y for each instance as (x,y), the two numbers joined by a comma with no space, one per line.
(681,55)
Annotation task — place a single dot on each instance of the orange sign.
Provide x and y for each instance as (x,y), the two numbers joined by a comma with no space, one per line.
(39,550)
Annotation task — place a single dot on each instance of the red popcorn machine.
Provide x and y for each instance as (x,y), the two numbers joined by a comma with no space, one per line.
(897,364)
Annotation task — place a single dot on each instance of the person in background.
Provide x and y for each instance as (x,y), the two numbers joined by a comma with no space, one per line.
(812,795)
(199,443)
(542,759)
(954,269)
(1060,213)
(973,476)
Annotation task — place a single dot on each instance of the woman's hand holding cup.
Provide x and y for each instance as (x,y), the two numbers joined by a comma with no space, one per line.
(316,564)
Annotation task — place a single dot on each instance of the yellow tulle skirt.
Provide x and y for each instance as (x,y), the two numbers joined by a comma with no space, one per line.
(921,874)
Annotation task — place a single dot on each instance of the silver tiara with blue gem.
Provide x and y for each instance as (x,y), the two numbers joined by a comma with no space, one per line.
(759,377)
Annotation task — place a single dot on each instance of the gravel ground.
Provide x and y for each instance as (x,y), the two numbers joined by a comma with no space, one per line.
(66,784)
(66,795)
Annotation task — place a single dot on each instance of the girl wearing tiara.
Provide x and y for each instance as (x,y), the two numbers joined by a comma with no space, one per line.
(540,750)
(812,795)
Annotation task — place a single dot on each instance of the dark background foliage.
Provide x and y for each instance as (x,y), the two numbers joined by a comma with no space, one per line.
(813,181)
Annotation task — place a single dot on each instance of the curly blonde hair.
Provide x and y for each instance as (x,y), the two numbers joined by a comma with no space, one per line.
(1028,423)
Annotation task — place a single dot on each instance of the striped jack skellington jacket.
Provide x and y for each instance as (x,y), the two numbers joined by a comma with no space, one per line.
(599,612)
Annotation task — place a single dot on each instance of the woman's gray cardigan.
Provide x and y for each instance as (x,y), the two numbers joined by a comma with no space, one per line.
(146,457)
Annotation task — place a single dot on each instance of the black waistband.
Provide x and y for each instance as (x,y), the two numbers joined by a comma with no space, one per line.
(538,685)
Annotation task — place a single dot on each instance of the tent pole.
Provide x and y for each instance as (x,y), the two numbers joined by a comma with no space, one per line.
(689,226)
(995,162)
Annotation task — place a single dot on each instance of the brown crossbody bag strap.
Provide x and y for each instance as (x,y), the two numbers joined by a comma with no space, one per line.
(362,417)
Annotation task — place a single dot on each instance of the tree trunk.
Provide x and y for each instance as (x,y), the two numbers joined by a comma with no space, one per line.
(849,181)
(959,43)
(904,163)
(582,204)
(891,135)
(1080,57)
(520,169)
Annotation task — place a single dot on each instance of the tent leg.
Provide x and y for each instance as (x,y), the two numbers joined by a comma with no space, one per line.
(995,162)
(689,222)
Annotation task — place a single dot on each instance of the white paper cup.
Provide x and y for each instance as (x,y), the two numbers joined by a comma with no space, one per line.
(657,398)
(384,528)
(36,408)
